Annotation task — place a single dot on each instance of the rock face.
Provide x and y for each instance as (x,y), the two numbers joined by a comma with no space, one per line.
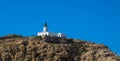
(37,49)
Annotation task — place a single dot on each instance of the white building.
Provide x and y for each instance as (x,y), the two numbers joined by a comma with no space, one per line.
(46,33)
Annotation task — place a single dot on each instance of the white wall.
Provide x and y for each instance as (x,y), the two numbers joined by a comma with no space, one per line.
(51,34)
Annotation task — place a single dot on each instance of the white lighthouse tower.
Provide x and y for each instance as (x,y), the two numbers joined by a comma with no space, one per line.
(45,27)
(51,34)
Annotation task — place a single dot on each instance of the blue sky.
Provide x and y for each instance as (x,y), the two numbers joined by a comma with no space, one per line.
(92,20)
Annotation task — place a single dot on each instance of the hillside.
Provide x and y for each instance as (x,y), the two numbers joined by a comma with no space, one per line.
(18,48)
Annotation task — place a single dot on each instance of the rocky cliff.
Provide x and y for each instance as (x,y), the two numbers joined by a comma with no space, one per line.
(19,48)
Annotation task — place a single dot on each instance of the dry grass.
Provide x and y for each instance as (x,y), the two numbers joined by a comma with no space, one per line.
(36,49)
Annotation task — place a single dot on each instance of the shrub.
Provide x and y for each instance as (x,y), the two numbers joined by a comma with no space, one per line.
(69,40)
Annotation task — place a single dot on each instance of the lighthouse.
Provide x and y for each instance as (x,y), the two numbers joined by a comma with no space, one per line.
(45,27)
(45,32)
